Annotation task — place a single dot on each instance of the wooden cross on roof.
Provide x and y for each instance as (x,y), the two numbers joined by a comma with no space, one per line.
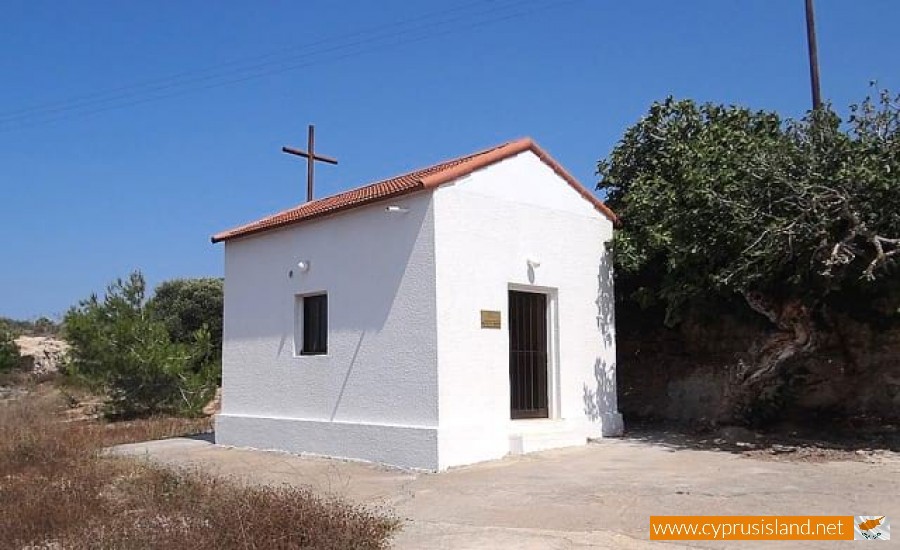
(311,158)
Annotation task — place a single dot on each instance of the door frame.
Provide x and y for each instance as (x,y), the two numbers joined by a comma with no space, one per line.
(552,321)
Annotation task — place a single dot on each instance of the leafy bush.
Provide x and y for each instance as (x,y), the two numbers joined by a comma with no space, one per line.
(721,200)
(9,351)
(790,220)
(118,348)
(185,306)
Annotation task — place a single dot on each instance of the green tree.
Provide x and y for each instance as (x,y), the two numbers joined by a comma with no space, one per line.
(9,351)
(187,305)
(118,348)
(790,216)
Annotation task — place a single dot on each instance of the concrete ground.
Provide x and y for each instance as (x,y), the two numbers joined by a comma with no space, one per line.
(599,496)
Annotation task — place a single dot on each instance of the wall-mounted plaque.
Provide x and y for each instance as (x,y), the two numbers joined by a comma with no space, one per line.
(490,319)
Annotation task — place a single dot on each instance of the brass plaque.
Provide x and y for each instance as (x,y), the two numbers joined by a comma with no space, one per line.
(490,319)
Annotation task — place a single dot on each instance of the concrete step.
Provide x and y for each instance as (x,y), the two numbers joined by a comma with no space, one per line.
(551,437)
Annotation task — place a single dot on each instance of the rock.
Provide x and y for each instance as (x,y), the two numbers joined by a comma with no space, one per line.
(737,434)
(215,405)
(696,397)
(41,354)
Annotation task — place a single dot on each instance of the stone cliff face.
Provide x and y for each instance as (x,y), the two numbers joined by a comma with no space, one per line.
(684,374)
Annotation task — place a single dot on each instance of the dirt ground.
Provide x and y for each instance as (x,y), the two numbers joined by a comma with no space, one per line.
(598,496)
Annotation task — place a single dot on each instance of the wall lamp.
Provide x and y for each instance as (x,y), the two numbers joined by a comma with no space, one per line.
(396,209)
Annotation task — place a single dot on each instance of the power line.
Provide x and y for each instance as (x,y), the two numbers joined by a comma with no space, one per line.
(175,78)
(185,84)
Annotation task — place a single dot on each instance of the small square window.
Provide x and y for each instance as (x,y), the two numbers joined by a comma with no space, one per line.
(312,318)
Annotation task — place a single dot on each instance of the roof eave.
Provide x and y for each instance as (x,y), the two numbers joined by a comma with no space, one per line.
(241,232)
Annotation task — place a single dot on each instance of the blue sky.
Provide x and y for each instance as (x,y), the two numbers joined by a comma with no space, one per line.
(93,188)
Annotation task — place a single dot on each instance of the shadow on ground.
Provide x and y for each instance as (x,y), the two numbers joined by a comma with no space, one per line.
(849,440)
(209,437)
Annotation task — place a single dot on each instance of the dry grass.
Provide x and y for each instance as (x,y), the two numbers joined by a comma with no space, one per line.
(57,491)
(116,433)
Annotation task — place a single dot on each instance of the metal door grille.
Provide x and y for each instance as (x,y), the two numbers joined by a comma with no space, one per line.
(527,355)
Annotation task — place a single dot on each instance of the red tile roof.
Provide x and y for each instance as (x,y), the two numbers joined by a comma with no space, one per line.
(426,178)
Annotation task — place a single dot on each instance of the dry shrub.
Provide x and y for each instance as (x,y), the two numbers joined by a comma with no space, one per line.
(57,490)
(32,439)
(49,476)
(147,429)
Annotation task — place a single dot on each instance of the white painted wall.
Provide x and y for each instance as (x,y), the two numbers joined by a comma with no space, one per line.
(486,227)
(410,378)
(374,395)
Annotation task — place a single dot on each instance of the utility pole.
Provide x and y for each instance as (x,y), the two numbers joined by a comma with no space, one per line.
(813,55)
(311,158)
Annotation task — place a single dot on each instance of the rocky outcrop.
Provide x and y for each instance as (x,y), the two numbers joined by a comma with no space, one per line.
(41,355)
(684,375)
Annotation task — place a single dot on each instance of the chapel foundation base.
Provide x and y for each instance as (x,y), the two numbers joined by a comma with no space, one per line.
(410,447)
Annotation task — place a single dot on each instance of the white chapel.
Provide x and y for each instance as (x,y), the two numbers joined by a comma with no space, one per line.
(447,316)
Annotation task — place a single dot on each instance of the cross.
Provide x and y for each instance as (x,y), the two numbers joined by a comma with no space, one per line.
(311,158)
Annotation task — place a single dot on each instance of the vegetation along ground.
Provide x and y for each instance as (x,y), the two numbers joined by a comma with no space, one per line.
(59,490)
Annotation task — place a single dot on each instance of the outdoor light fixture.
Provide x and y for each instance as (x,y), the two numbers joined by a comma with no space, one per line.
(303,266)
(533,263)
(395,209)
